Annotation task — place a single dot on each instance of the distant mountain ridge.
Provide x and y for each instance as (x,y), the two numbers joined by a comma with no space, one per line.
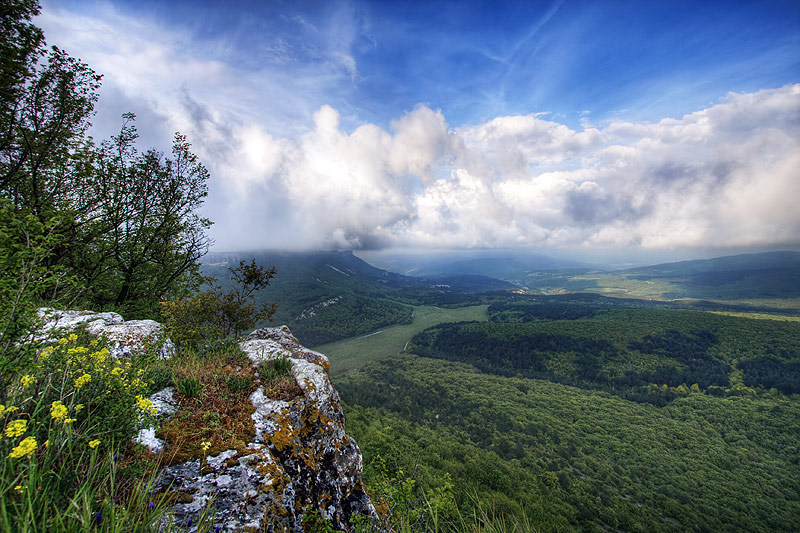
(501,264)
(327,295)
(742,262)
(766,275)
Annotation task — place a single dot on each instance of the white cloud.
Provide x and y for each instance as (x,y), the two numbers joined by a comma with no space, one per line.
(287,174)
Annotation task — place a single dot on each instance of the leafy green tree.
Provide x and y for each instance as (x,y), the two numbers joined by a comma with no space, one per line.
(213,314)
(44,111)
(139,237)
(122,223)
(44,115)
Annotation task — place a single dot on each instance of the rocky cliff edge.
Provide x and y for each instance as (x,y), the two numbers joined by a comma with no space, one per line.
(300,459)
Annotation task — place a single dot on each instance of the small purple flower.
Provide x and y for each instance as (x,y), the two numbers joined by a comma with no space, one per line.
(98,517)
(151,505)
(189,523)
(217,528)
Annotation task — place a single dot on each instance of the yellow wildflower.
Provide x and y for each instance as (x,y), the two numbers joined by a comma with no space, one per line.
(58,410)
(26,447)
(117,371)
(2,408)
(69,420)
(9,409)
(83,380)
(73,337)
(16,428)
(205,445)
(20,487)
(78,407)
(93,343)
(62,341)
(94,443)
(27,380)
(47,443)
(143,403)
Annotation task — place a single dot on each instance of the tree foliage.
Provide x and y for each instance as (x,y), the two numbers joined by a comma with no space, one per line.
(121,223)
(213,314)
(138,235)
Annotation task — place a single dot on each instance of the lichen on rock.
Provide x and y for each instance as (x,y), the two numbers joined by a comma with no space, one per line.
(300,458)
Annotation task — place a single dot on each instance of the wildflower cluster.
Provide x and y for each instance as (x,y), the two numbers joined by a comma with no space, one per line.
(73,392)
(101,383)
(146,405)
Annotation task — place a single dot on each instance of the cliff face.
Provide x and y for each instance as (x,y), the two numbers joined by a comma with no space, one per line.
(300,460)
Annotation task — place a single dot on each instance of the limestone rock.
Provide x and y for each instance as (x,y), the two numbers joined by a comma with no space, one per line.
(300,458)
(125,337)
(165,406)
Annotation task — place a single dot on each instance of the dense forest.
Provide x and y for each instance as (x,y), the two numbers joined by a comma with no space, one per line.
(576,459)
(580,412)
(632,353)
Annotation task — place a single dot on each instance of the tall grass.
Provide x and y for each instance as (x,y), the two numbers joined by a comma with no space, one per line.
(403,507)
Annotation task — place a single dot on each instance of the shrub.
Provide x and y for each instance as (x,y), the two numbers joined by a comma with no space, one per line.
(212,314)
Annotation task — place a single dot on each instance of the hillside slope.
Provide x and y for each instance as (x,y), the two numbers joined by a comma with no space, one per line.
(329,295)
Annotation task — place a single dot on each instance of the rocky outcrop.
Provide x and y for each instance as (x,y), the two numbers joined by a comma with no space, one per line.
(300,459)
(125,337)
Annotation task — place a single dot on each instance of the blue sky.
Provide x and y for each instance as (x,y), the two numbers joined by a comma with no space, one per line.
(548,125)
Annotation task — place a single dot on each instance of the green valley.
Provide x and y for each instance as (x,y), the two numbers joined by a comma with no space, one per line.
(636,400)
(353,353)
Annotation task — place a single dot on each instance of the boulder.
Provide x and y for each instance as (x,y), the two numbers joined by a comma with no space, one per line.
(125,336)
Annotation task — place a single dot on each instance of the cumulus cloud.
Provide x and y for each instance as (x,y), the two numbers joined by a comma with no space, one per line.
(287,173)
(724,176)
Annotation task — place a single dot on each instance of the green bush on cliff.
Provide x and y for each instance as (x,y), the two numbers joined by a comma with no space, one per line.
(211,315)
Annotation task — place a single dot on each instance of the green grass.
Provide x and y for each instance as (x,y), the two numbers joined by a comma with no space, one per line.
(759,316)
(354,352)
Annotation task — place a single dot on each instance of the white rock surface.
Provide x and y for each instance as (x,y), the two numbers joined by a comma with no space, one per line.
(165,405)
(125,337)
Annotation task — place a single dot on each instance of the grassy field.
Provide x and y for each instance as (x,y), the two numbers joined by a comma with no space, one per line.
(759,316)
(354,352)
